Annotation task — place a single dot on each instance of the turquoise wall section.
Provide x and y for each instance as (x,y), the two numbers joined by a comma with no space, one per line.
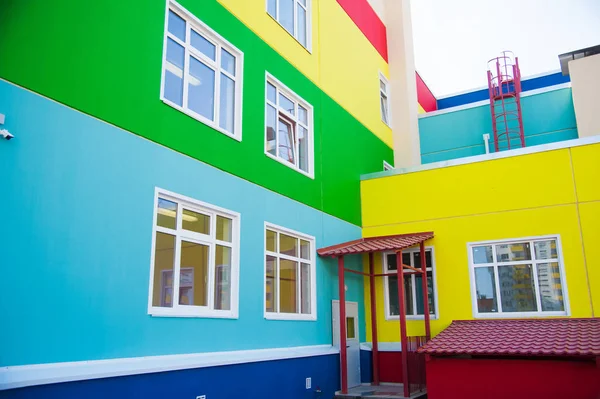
(547,117)
(76,226)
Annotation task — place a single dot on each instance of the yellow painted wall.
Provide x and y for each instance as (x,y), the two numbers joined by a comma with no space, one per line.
(342,62)
(549,193)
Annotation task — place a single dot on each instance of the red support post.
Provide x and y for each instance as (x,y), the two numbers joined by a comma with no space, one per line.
(375,349)
(343,351)
(403,334)
(425,293)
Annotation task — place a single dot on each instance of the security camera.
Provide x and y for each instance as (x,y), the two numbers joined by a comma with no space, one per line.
(6,134)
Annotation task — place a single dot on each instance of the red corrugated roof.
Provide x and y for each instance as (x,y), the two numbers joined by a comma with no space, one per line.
(532,337)
(376,244)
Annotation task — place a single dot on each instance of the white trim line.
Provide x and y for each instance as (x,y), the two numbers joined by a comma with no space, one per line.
(486,157)
(487,101)
(381,346)
(38,374)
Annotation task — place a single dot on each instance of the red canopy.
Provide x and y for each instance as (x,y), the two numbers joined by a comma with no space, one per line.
(376,244)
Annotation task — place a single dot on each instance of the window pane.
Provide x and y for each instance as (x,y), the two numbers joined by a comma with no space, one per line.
(408,291)
(176,25)
(391,262)
(222,278)
(303,2)
(384,108)
(204,46)
(224,226)
(417,259)
(393,295)
(305,294)
(286,103)
(272,8)
(485,284)
(193,275)
(201,89)
(288,286)
(301,15)
(288,245)
(406,258)
(350,330)
(545,249)
(419,293)
(228,61)
(483,254)
(227,106)
(303,114)
(517,290)
(271,126)
(286,141)
(197,222)
(305,249)
(166,214)
(173,90)
(382,86)
(164,255)
(271,93)
(271,285)
(286,14)
(550,287)
(271,241)
(303,149)
(513,252)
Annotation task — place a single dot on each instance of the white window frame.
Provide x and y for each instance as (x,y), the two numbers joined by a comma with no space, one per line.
(500,314)
(412,251)
(283,89)
(308,9)
(313,278)
(220,43)
(386,93)
(387,166)
(197,206)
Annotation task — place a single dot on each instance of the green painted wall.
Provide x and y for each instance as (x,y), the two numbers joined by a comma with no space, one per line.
(105,58)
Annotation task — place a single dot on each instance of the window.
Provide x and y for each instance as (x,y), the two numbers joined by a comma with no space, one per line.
(288,127)
(387,166)
(202,73)
(290,285)
(384,99)
(413,285)
(200,244)
(294,16)
(517,278)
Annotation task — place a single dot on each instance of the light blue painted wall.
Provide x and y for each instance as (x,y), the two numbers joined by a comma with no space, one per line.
(75,236)
(547,117)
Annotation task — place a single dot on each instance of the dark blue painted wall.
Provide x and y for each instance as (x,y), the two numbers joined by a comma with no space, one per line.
(283,379)
(479,95)
(366,369)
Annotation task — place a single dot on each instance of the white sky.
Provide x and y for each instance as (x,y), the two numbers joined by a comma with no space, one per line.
(454,39)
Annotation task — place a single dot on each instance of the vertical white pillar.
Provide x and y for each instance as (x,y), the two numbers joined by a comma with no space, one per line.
(586,88)
(403,98)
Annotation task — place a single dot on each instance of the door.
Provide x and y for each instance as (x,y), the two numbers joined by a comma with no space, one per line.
(352,340)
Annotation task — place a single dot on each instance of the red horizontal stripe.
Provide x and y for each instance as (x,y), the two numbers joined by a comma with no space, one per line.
(367,20)
(425,96)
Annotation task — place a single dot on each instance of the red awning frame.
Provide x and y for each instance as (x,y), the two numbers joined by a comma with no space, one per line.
(371,245)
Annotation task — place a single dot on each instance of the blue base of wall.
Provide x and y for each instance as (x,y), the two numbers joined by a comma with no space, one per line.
(366,369)
(261,380)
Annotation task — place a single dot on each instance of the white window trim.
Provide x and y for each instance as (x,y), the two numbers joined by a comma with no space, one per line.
(308,9)
(197,311)
(386,293)
(387,166)
(313,278)
(220,41)
(512,315)
(387,93)
(311,131)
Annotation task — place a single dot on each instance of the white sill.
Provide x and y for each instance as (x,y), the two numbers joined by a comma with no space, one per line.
(387,124)
(519,315)
(294,37)
(289,165)
(290,316)
(202,314)
(203,120)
